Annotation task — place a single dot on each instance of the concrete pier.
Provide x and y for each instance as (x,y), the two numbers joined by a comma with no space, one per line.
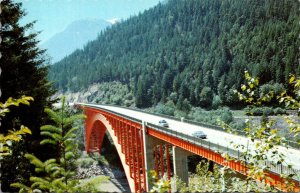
(149,144)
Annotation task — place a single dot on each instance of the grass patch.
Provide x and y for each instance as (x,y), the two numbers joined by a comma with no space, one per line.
(238,113)
(85,162)
(95,181)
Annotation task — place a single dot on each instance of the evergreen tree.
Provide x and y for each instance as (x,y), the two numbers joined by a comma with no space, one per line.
(206,97)
(23,73)
(57,174)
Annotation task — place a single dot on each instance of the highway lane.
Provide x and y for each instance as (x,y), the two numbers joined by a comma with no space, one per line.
(214,136)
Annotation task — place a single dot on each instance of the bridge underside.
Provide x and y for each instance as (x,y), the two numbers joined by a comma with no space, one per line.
(96,137)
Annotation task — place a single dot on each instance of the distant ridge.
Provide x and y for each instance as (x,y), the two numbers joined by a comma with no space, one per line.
(75,36)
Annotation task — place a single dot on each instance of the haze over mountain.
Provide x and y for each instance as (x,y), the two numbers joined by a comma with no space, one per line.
(75,36)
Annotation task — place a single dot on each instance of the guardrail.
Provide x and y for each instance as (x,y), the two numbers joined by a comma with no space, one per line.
(272,167)
(292,144)
(276,168)
(116,113)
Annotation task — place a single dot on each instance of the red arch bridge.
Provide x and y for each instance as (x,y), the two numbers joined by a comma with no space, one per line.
(143,145)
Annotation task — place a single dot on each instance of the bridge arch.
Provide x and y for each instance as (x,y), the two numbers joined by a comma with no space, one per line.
(96,126)
(95,132)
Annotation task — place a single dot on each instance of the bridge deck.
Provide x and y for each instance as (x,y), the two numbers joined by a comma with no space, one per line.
(217,140)
(214,136)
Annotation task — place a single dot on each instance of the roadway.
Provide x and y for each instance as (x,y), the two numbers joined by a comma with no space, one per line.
(292,156)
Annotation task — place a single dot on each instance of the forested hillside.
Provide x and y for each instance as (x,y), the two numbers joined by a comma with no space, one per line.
(190,51)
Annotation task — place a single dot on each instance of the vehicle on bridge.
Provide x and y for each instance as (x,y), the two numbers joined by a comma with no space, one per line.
(199,134)
(163,123)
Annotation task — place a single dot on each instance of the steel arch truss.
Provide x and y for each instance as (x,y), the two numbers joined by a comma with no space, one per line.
(129,136)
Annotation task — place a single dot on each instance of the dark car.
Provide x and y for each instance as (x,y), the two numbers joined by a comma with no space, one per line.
(199,134)
(163,123)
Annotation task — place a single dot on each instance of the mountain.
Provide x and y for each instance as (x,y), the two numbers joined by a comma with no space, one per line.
(74,37)
(190,51)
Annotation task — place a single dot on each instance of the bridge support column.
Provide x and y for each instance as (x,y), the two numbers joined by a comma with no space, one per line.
(180,165)
(210,166)
(149,144)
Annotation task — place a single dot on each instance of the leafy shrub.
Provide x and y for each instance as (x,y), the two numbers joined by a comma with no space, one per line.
(226,116)
(167,109)
(238,125)
(267,111)
(85,162)
(247,111)
(127,103)
(129,96)
(116,100)
(216,102)
(276,88)
(173,96)
(211,117)
(180,114)
(279,111)
(259,111)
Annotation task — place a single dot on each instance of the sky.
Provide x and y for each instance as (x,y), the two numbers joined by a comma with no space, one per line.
(53,16)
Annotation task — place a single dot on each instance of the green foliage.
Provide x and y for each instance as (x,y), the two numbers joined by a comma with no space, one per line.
(264,137)
(292,102)
(219,180)
(289,98)
(262,144)
(216,102)
(226,116)
(212,116)
(159,185)
(238,125)
(115,93)
(56,175)
(91,184)
(279,111)
(24,72)
(167,109)
(13,135)
(258,111)
(10,145)
(276,88)
(206,97)
(85,162)
(193,46)
(183,105)
(180,114)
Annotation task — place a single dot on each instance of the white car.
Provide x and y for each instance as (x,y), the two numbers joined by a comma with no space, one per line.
(163,123)
(199,134)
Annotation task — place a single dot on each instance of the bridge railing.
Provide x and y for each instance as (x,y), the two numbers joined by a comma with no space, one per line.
(289,143)
(116,113)
(272,167)
(276,168)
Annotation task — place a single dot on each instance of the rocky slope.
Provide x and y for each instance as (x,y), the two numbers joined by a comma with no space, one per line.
(104,93)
